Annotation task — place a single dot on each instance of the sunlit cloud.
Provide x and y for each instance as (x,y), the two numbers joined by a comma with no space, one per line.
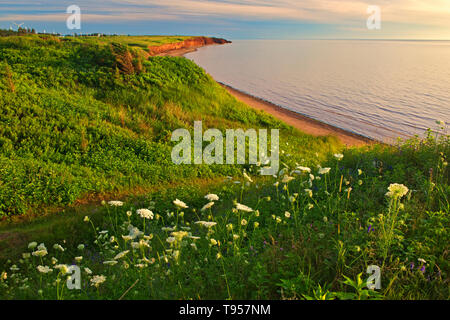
(346,14)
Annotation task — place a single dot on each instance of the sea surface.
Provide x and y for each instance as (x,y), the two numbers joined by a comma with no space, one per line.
(379,89)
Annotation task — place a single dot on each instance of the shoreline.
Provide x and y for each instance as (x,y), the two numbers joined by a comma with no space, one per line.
(301,122)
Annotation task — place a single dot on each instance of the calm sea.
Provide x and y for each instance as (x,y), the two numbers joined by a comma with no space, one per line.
(379,89)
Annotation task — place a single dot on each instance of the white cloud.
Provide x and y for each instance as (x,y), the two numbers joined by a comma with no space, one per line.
(346,13)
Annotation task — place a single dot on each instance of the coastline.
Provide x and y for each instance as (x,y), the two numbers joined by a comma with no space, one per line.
(181,48)
(303,123)
(181,52)
(297,120)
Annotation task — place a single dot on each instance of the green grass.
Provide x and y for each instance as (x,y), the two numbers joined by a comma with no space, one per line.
(82,124)
(318,250)
(78,119)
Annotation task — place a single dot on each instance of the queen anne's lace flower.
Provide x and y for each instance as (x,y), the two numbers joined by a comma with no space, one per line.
(180,204)
(244,208)
(32,245)
(179,235)
(212,197)
(63,268)
(145,214)
(58,247)
(115,203)
(96,281)
(309,192)
(206,224)
(207,206)
(88,271)
(397,191)
(287,179)
(40,253)
(171,239)
(44,269)
(304,169)
(121,255)
(324,170)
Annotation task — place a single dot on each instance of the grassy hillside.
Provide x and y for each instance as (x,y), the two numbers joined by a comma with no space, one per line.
(82,116)
(86,119)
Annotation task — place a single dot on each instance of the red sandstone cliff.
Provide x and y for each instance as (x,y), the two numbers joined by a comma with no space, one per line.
(186,44)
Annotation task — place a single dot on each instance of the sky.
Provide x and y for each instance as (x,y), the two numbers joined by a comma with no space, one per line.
(233,19)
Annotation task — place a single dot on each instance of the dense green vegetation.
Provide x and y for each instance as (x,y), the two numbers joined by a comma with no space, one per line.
(80,117)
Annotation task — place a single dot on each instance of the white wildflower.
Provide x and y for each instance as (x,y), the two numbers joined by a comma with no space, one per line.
(44,269)
(63,268)
(40,253)
(207,206)
(207,224)
(58,247)
(324,170)
(309,192)
(127,238)
(88,271)
(304,169)
(179,235)
(32,245)
(97,280)
(145,214)
(115,203)
(287,179)
(212,197)
(244,208)
(121,254)
(180,204)
(397,190)
(171,239)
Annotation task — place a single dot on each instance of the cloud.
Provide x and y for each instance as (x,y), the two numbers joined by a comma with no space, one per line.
(345,13)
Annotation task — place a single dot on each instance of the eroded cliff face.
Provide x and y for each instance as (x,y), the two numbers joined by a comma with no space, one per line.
(186,44)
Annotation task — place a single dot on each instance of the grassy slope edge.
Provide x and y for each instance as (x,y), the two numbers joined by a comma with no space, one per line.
(82,117)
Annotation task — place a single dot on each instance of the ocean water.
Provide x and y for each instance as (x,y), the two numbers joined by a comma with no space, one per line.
(379,89)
